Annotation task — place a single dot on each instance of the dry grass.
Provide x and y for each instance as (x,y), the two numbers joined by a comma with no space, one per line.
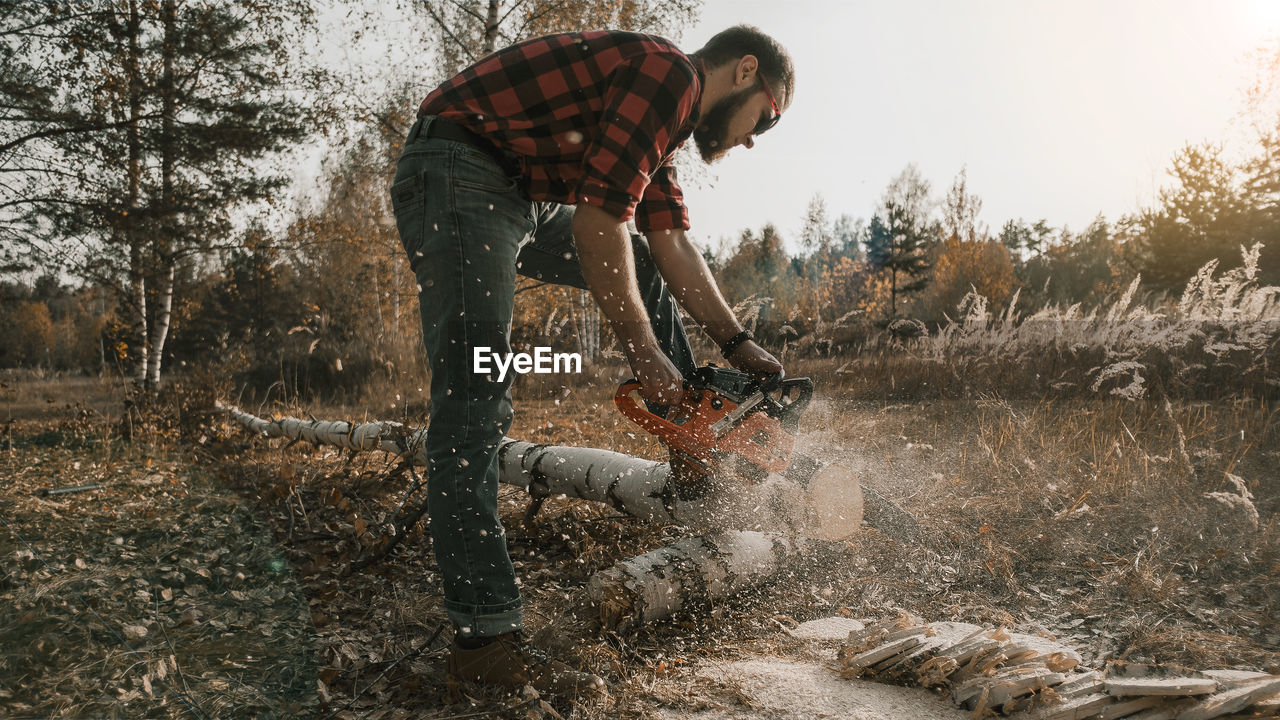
(1120,522)
(37,394)
(1039,513)
(1221,337)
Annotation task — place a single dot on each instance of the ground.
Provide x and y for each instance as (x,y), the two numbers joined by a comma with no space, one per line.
(211,574)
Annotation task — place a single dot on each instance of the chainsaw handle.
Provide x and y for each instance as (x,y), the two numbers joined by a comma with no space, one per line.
(626,402)
(790,413)
(773,382)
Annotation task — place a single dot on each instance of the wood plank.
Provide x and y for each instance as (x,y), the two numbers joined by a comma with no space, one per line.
(876,654)
(1235,699)
(1083,683)
(1234,678)
(1129,679)
(1130,706)
(1081,708)
(1168,711)
(1167,687)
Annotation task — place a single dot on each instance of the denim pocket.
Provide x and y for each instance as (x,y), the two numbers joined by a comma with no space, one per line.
(473,170)
(408,204)
(407,193)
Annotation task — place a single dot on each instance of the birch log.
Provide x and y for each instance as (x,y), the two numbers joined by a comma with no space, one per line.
(637,487)
(828,508)
(689,573)
(753,531)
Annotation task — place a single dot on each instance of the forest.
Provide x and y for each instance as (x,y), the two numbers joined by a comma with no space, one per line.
(1081,421)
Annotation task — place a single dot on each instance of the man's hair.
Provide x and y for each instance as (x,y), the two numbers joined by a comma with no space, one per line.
(775,63)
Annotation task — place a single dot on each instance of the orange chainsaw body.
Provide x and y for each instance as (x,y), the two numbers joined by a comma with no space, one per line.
(723,415)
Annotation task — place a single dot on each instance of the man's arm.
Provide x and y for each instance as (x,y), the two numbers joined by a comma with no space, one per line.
(604,254)
(690,280)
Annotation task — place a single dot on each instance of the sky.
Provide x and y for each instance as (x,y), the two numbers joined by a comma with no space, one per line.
(1056,109)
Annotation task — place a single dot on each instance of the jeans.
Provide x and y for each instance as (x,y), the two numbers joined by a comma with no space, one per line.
(468,230)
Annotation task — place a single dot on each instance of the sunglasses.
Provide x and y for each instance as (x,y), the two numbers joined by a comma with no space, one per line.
(768,122)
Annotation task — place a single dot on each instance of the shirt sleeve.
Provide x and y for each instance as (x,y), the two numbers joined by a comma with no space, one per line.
(648,99)
(662,206)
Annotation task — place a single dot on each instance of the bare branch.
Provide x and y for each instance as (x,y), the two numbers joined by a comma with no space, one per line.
(447,30)
(547,9)
(48,20)
(467,10)
(514,6)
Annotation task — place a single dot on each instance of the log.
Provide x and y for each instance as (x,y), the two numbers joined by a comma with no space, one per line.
(826,505)
(392,437)
(754,530)
(688,573)
(640,488)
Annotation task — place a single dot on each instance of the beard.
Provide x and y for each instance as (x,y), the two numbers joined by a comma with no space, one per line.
(712,134)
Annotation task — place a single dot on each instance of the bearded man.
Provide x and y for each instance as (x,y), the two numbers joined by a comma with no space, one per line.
(532,161)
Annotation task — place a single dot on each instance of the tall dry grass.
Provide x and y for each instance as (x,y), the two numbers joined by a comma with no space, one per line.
(1219,338)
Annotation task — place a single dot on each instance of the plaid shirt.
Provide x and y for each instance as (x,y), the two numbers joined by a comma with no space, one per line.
(595,117)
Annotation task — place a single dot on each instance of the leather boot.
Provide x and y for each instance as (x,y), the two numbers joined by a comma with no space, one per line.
(507,661)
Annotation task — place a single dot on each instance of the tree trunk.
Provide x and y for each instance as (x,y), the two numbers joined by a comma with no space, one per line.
(160,332)
(164,240)
(893,292)
(138,339)
(138,335)
(491,27)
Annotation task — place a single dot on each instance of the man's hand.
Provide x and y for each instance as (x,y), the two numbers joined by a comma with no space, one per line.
(751,358)
(660,381)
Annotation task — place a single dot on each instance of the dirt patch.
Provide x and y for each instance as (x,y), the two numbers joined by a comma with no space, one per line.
(772,688)
(50,396)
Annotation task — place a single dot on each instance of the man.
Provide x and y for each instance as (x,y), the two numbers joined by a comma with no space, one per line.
(532,161)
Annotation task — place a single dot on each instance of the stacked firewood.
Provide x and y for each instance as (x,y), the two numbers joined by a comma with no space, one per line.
(992,671)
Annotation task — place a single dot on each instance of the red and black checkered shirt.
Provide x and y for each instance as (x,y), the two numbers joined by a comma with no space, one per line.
(595,117)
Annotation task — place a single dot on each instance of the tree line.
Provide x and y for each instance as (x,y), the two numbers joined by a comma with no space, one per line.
(920,255)
(145,170)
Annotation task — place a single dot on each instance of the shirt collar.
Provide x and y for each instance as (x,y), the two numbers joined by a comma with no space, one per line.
(691,122)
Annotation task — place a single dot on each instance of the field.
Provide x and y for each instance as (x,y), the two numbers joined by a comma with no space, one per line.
(210,575)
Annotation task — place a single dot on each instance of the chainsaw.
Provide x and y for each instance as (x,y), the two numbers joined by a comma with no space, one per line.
(728,420)
(730,424)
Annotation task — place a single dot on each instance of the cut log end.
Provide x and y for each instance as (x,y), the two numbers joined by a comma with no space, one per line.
(614,602)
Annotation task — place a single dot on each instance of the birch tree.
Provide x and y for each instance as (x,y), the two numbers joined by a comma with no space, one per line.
(158,141)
